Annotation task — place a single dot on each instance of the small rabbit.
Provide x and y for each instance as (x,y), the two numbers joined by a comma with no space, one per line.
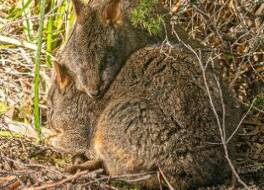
(155,116)
(102,40)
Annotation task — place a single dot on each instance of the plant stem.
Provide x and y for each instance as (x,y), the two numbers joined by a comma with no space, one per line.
(50,37)
(37,121)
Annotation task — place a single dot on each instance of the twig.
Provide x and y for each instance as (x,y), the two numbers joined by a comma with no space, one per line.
(253,107)
(104,186)
(223,107)
(141,177)
(214,111)
(53,185)
(166,180)
(241,121)
(158,176)
(49,169)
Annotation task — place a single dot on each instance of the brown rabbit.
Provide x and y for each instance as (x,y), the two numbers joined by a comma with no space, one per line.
(154,116)
(102,40)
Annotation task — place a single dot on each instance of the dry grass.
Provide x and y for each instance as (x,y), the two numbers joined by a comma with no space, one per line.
(233,29)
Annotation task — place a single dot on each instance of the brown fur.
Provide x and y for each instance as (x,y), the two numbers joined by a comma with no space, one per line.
(156,114)
(79,11)
(100,45)
(153,114)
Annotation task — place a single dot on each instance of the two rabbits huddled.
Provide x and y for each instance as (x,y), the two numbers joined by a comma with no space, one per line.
(131,108)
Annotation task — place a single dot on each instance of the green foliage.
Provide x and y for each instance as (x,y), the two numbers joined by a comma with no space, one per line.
(58,22)
(23,11)
(28,25)
(141,16)
(49,37)
(45,23)
(17,12)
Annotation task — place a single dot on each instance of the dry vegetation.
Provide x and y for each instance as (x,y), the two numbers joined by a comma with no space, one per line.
(233,29)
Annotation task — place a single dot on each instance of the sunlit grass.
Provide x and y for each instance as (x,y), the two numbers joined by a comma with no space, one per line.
(45,24)
(3,108)
(37,121)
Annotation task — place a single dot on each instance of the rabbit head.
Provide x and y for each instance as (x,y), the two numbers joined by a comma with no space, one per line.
(101,41)
(68,115)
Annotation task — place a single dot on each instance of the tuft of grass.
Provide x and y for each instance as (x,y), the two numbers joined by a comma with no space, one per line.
(45,23)
(59,24)
(17,12)
(27,24)
(141,16)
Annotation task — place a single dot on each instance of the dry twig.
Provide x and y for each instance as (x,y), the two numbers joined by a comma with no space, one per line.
(220,127)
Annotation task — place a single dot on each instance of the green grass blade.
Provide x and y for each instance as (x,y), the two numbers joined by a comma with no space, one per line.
(17,12)
(50,37)
(28,25)
(37,122)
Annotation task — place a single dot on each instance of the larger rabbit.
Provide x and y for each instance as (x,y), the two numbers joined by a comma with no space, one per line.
(155,115)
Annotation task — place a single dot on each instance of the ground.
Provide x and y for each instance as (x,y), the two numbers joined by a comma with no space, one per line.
(26,163)
(234,31)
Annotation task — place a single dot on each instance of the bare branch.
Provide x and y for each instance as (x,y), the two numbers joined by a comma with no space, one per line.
(241,121)
(220,127)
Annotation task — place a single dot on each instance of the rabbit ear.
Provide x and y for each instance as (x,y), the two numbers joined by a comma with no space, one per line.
(112,12)
(62,77)
(80,8)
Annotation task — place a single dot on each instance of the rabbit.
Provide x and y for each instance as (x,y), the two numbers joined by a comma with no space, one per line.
(155,116)
(102,40)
